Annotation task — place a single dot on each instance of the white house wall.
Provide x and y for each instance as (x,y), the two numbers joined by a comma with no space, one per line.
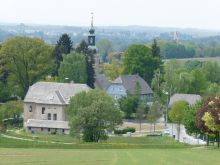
(117,91)
(37,111)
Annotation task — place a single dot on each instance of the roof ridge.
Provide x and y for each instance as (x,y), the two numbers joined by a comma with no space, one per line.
(60,96)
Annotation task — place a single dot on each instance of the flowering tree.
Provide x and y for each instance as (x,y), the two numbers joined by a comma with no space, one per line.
(211,116)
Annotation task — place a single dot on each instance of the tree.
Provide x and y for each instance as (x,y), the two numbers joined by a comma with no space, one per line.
(90,62)
(113,69)
(171,77)
(211,116)
(138,59)
(104,47)
(200,123)
(213,90)
(189,120)
(155,49)
(154,113)
(11,113)
(63,46)
(177,113)
(93,113)
(5,94)
(199,82)
(73,68)
(140,113)
(211,71)
(28,60)
(156,84)
(128,105)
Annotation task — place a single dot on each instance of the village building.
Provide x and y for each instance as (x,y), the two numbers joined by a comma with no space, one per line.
(189,98)
(101,81)
(126,84)
(44,106)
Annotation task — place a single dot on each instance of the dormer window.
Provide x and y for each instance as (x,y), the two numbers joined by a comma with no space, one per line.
(30,108)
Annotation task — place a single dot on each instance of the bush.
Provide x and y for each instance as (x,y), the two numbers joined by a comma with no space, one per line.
(124,131)
(129,129)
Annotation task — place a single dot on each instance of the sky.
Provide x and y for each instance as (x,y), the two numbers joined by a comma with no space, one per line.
(202,14)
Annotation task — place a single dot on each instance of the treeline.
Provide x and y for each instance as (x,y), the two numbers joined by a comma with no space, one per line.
(192,77)
(205,47)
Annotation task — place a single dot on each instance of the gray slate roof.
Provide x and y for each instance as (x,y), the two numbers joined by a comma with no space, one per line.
(53,93)
(190,98)
(101,81)
(130,81)
(47,124)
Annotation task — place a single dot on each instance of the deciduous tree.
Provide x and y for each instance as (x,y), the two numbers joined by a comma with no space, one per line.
(73,68)
(93,114)
(154,113)
(138,59)
(28,60)
(177,113)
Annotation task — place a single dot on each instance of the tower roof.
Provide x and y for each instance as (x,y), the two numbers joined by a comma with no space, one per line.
(92,29)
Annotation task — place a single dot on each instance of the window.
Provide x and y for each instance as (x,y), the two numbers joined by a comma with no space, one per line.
(43,110)
(48,116)
(30,108)
(29,128)
(63,130)
(42,129)
(48,129)
(55,116)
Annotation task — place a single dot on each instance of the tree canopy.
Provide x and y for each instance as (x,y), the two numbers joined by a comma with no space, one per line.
(73,68)
(138,59)
(93,113)
(28,60)
(63,46)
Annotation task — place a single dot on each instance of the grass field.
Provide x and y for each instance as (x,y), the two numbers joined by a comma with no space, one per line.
(161,150)
(111,143)
(188,156)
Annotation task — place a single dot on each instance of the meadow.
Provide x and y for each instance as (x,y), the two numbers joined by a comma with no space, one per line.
(117,150)
(186,156)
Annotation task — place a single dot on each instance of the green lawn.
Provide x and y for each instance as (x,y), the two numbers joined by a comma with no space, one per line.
(111,143)
(187,156)
(116,150)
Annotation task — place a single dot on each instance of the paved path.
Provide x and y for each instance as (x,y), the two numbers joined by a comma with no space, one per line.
(184,137)
(25,139)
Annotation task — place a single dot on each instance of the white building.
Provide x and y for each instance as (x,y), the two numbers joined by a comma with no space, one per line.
(44,106)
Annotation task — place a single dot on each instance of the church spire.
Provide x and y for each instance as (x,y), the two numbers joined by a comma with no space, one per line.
(91,36)
(92,20)
(92,29)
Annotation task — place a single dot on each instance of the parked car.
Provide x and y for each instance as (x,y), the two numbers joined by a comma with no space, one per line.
(166,132)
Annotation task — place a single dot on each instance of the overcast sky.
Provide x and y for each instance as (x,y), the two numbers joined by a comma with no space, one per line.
(204,14)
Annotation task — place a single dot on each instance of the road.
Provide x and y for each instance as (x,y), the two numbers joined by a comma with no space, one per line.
(184,137)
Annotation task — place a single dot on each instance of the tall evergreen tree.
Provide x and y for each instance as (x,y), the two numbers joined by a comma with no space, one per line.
(155,49)
(63,46)
(90,62)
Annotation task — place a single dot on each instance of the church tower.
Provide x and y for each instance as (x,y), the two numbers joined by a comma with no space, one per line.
(91,36)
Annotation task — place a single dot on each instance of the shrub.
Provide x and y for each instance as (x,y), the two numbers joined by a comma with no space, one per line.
(124,131)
